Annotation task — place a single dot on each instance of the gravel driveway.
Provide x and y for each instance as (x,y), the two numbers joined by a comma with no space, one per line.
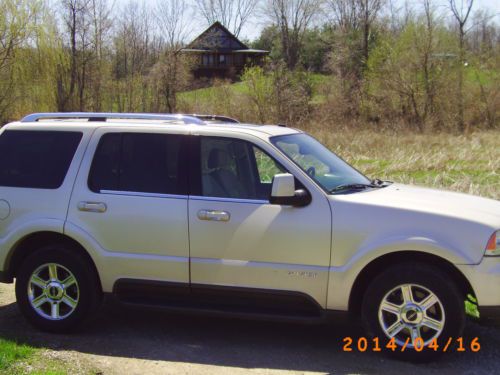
(143,342)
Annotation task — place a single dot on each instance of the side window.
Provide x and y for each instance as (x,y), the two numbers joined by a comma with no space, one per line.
(137,162)
(266,166)
(233,168)
(36,159)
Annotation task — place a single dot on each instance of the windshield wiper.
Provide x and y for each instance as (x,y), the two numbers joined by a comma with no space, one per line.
(380,183)
(353,187)
(376,183)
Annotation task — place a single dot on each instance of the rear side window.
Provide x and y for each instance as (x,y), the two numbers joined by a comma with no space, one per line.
(36,159)
(138,162)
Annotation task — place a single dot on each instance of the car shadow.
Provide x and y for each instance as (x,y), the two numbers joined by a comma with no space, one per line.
(158,336)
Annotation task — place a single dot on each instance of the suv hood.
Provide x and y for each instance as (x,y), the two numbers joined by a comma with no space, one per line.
(459,223)
(419,199)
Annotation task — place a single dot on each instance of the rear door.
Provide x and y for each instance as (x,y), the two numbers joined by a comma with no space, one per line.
(130,198)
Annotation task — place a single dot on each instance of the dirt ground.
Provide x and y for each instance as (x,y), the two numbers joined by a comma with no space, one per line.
(142,342)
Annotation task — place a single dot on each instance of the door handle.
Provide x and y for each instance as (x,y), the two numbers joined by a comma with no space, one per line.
(92,206)
(214,215)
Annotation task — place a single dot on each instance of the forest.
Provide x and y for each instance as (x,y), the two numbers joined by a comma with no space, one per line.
(373,64)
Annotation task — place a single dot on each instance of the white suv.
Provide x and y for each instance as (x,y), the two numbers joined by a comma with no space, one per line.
(206,214)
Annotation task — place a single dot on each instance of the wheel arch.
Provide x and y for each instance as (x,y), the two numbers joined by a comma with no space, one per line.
(377,265)
(33,241)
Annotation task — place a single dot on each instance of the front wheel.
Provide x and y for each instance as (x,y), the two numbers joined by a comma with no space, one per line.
(56,289)
(414,309)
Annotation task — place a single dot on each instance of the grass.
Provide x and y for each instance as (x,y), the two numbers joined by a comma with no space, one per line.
(469,164)
(12,353)
(22,359)
(204,96)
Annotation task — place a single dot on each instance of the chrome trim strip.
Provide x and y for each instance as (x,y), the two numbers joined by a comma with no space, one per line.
(146,195)
(230,200)
(251,263)
(147,257)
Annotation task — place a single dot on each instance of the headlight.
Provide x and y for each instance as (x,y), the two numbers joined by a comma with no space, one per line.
(493,246)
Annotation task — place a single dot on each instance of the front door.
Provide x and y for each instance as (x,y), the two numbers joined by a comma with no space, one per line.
(238,239)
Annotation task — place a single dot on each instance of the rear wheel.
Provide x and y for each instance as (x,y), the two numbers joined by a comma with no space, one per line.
(56,289)
(415,307)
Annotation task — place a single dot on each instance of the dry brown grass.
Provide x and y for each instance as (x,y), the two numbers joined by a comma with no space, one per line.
(469,164)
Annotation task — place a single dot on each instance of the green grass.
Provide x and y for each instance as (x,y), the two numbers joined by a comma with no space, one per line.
(206,95)
(12,353)
(21,359)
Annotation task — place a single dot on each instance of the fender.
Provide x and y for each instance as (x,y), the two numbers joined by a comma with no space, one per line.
(342,278)
(16,234)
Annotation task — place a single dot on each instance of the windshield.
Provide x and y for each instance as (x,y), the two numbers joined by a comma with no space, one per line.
(322,165)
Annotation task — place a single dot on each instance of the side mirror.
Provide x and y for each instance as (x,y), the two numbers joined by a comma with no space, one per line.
(283,192)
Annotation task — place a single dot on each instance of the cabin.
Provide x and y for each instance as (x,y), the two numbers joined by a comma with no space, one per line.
(219,54)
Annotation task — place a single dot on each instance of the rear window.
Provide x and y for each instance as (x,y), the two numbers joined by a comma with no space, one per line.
(36,159)
(138,162)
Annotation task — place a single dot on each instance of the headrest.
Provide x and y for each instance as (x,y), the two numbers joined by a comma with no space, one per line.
(218,158)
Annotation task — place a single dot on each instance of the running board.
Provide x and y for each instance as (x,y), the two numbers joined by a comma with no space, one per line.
(261,304)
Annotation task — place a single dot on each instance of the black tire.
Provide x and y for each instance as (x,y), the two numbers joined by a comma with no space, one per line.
(435,281)
(88,289)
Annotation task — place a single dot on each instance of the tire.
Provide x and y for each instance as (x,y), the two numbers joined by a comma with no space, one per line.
(48,303)
(433,296)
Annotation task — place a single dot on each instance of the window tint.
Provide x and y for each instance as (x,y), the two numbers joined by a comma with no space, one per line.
(36,159)
(266,166)
(233,168)
(138,162)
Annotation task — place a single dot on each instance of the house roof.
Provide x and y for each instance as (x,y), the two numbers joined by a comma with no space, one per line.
(218,38)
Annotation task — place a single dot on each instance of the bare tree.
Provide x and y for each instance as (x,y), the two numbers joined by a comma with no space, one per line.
(344,14)
(233,14)
(427,49)
(136,50)
(101,21)
(360,15)
(77,23)
(172,20)
(369,10)
(461,10)
(353,22)
(172,72)
(293,17)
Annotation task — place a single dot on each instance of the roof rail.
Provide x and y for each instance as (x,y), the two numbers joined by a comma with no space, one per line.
(97,116)
(216,118)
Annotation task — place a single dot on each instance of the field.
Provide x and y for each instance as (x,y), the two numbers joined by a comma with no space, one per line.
(469,164)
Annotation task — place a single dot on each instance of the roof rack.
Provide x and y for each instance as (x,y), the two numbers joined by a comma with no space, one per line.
(97,116)
(216,118)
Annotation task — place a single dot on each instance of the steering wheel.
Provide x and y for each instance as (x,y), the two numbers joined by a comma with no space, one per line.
(311,171)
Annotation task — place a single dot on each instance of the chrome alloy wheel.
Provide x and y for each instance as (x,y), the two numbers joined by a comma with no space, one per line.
(409,312)
(53,291)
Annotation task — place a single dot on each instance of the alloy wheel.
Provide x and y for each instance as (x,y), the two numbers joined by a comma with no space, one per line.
(53,291)
(411,314)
